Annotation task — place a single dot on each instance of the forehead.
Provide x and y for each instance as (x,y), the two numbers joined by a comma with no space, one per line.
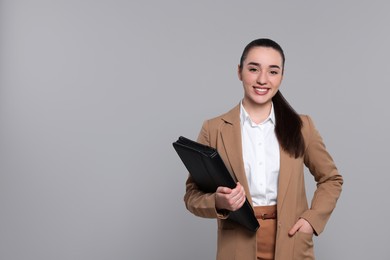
(264,56)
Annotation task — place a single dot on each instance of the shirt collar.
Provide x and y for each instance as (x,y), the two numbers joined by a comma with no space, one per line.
(244,116)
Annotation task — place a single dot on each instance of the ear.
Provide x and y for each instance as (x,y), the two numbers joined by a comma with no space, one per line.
(239,72)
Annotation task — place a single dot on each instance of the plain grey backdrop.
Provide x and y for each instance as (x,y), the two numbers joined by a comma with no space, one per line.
(93,93)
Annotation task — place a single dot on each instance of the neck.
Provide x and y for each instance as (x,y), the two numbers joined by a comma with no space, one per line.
(257,112)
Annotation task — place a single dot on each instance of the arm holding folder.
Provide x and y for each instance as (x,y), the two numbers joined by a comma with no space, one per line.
(211,191)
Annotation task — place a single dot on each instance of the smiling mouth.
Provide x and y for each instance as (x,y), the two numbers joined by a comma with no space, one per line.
(261,90)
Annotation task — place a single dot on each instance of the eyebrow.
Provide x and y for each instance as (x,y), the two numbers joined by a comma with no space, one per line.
(258,65)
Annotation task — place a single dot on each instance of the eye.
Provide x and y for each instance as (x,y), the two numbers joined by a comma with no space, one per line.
(252,69)
(274,72)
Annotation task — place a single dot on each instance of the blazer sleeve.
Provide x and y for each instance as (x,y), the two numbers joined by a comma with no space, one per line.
(197,202)
(326,175)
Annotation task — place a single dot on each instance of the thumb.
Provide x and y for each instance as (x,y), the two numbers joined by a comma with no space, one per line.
(224,190)
(294,229)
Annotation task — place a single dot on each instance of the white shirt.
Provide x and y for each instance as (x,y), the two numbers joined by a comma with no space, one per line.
(261,158)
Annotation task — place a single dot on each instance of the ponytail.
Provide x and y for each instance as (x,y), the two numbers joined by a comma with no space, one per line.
(288,127)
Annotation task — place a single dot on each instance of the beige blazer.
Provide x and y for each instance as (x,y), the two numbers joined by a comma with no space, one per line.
(234,241)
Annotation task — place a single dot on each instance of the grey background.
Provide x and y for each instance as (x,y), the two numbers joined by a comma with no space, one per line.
(93,93)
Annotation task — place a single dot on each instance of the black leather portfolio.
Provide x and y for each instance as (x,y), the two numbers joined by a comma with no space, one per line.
(209,172)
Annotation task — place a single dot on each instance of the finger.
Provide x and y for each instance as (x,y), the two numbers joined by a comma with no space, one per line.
(306,227)
(240,195)
(236,202)
(235,195)
(242,189)
(224,190)
(294,229)
(239,187)
(239,202)
(238,190)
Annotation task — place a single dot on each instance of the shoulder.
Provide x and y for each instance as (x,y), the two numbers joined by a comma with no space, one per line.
(230,117)
(307,122)
(309,130)
(212,127)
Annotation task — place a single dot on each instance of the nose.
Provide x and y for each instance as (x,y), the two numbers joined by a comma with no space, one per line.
(262,78)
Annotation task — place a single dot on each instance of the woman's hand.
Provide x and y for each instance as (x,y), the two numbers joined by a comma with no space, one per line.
(230,199)
(302,226)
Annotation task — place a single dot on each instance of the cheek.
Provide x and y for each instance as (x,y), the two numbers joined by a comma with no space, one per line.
(247,84)
(247,80)
(277,82)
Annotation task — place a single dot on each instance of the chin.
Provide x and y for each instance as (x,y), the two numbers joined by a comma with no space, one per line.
(262,101)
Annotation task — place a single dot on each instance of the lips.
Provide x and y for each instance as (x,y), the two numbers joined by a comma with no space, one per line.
(261,90)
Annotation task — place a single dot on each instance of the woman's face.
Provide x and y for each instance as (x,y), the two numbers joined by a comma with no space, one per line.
(261,75)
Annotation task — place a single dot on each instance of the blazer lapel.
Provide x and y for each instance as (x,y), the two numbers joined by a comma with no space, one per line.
(231,138)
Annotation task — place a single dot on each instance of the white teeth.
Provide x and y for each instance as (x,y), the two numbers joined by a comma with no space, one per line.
(261,89)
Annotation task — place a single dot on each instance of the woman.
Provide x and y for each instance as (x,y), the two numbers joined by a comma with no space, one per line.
(265,144)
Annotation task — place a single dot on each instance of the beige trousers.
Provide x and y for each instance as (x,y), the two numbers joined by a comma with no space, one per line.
(266,234)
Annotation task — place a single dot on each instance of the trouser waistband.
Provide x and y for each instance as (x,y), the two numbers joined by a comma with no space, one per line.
(265,212)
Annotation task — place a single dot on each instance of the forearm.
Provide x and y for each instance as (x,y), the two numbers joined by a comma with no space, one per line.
(323,203)
(329,181)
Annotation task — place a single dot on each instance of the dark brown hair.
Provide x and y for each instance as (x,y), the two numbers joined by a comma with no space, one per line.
(288,122)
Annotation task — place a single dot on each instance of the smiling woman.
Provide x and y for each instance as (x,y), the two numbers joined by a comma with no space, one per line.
(265,144)
(261,75)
